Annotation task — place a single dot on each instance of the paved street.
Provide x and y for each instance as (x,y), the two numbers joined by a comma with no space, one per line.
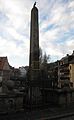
(47,114)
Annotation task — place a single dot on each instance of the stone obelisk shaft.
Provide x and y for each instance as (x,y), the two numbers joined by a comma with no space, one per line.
(34,45)
(34,90)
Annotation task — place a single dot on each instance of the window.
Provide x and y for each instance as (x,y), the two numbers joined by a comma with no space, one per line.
(0,73)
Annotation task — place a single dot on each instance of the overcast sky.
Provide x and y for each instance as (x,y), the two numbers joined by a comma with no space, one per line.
(56,29)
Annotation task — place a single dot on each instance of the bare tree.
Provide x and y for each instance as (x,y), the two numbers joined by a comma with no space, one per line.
(43,58)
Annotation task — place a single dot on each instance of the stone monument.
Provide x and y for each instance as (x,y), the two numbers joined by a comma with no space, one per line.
(34,90)
(34,42)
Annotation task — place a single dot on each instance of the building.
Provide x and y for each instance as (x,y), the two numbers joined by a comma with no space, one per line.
(14,73)
(53,74)
(4,73)
(15,76)
(71,68)
(64,79)
(22,72)
(66,71)
(61,72)
(66,68)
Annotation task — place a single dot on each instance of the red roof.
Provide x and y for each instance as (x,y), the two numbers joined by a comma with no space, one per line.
(2,62)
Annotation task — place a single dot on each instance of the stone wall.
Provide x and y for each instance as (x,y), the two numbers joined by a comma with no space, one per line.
(10,103)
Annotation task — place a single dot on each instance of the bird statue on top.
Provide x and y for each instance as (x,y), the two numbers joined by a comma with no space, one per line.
(34,4)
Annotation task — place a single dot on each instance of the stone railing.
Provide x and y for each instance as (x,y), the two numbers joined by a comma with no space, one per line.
(11,102)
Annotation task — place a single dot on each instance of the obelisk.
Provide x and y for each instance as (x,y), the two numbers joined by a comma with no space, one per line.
(34,44)
(34,91)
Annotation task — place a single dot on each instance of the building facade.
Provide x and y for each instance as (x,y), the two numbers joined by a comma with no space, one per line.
(53,74)
(66,70)
(4,73)
(61,72)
